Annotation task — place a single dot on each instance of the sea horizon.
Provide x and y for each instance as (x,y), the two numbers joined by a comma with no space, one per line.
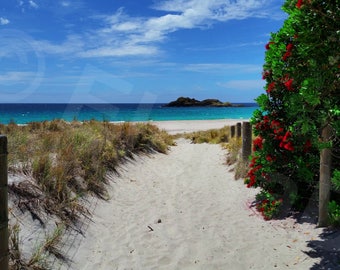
(23,113)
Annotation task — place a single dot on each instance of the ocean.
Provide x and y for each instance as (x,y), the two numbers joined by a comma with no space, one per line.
(25,113)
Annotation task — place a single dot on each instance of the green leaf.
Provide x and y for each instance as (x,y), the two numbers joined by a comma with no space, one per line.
(336,179)
(310,95)
(262,100)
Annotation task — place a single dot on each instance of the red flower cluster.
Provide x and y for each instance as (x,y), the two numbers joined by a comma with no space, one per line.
(257,144)
(268,208)
(286,143)
(299,3)
(252,173)
(268,45)
(277,128)
(270,87)
(264,124)
(288,52)
(289,85)
(265,74)
(289,47)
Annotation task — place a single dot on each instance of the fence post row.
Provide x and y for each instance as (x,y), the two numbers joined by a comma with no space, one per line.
(4,251)
(246,140)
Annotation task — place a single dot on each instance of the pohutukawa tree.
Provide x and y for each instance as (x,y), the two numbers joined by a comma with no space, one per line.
(302,70)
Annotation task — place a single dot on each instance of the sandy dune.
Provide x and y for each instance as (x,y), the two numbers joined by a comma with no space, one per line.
(184,210)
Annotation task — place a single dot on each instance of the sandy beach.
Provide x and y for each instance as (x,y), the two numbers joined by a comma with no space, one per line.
(185,126)
(184,210)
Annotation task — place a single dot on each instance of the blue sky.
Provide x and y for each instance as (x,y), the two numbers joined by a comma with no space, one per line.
(143,51)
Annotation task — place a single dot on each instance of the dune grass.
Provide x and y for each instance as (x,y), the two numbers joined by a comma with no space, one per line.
(64,162)
(214,136)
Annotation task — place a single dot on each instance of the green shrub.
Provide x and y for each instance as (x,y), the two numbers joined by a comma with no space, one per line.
(334,213)
(301,71)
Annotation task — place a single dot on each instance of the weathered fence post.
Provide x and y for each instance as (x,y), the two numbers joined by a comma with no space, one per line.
(4,252)
(232,131)
(238,130)
(246,140)
(325,178)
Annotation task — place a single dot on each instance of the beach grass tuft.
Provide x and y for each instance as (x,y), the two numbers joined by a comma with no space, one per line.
(214,136)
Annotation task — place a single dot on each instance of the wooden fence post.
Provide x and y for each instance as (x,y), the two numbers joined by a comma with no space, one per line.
(325,178)
(232,131)
(238,130)
(246,140)
(4,251)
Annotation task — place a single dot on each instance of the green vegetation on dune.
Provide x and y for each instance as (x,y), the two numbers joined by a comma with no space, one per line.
(63,162)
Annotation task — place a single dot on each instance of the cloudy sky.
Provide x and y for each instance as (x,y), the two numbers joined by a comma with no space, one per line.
(128,51)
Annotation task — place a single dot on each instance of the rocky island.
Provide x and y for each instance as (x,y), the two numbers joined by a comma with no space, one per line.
(191,102)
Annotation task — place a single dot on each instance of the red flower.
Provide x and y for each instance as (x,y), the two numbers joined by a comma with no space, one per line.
(265,74)
(268,45)
(270,87)
(275,124)
(258,143)
(286,55)
(252,179)
(278,130)
(270,158)
(307,146)
(289,85)
(299,3)
(289,146)
(287,136)
(286,143)
(289,47)
(253,161)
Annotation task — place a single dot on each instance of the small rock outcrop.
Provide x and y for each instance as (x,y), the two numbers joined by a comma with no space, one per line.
(191,102)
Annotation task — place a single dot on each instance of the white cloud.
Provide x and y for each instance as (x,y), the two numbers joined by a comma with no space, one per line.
(124,35)
(65,4)
(14,77)
(33,4)
(142,32)
(4,21)
(128,50)
(220,10)
(72,45)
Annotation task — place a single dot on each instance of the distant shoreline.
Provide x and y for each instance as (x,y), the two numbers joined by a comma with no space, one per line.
(250,104)
(26,113)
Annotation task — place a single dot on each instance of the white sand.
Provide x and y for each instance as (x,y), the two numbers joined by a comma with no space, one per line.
(184,210)
(185,126)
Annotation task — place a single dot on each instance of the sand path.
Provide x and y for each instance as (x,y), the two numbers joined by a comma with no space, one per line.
(184,210)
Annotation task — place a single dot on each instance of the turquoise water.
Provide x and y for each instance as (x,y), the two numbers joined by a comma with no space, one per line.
(25,113)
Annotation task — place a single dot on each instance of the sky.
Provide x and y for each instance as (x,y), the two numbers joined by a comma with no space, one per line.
(134,51)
